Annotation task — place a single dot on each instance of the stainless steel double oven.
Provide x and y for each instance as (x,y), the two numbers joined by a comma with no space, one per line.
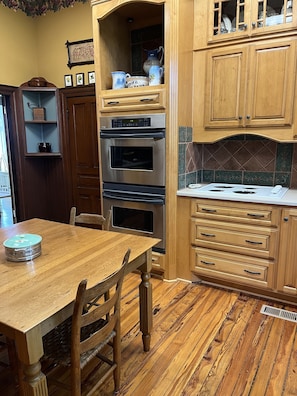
(133,173)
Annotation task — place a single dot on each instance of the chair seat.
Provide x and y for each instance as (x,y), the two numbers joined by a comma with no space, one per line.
(57,343)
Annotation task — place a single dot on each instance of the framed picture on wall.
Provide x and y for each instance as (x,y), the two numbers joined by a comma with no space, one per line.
(80,52)
(91,77)
(68,80)
(80,78)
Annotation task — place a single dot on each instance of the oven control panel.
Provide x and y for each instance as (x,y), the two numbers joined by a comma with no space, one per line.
(131,122)
(145,121)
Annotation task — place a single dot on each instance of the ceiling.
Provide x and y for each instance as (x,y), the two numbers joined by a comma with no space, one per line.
(34,8)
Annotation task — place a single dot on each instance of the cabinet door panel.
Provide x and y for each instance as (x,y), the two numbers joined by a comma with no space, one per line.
(225,86)
(271,85)
(287,268)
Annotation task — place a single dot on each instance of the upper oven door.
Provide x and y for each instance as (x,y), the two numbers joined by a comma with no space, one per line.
(133,158)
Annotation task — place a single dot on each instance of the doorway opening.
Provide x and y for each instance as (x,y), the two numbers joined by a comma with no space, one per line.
(7,202)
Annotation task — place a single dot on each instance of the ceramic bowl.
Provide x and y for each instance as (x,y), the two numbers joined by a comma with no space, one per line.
(136,81)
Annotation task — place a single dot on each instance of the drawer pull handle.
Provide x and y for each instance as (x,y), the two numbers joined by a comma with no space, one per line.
(252,272)
(207,262)
(254,242)
(255,215)
(146,100)
(113,103)
(208,210)
(207,235)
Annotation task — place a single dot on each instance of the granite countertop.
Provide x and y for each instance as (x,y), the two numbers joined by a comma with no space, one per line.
(288,199)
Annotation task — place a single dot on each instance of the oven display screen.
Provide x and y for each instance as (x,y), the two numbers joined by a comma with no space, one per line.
(131,157)
(131,122)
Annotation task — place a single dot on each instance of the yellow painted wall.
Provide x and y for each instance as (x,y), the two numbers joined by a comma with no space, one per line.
(33,47)
(54,29)
(18,43)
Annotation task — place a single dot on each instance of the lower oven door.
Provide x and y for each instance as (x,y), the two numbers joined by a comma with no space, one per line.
(138,214)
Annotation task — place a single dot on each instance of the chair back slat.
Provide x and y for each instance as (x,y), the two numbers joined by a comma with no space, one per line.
(90,219)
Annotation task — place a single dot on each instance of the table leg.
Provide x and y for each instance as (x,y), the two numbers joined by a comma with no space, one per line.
(30,350)
(34,383)
(146,306)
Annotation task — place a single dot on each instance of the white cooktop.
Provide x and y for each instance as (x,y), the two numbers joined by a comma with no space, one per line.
(215,189)
(276,195)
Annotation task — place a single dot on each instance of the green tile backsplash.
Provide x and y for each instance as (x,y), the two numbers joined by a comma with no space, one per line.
(242,159)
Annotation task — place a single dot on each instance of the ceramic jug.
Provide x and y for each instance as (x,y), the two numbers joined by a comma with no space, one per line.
(118,79)
(155,75)
(152,59)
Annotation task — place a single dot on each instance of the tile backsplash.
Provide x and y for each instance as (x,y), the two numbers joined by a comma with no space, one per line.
(242,159)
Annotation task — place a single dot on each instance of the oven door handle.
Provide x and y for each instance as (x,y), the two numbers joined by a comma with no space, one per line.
(155,201)
(153,135)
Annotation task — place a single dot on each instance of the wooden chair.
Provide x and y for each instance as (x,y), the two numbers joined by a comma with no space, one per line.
(87,334)
(90,219)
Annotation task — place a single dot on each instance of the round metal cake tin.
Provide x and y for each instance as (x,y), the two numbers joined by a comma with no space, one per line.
(23,247)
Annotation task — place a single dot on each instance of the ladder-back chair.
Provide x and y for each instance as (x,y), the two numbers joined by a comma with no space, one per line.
(86,335)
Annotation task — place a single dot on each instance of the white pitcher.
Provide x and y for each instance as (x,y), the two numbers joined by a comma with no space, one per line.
(155,75)
(118,79)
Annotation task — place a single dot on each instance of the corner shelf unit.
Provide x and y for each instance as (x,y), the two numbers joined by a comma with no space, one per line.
(41,121)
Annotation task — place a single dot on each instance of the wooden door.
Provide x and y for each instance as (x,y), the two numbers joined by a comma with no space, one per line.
(83,153)
(287,269)
(225,88)
(271,84)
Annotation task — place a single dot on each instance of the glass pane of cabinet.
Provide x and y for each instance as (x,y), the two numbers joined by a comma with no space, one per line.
(232,18)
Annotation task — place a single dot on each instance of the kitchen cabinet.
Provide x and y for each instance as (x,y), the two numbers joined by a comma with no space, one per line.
(287,268)
(235,92)
(237,244)
(140,98)
(242,92)
(116,24)
(242,95)
(41,187)
(122,30)
(158,263)
(232,19)
(39,111)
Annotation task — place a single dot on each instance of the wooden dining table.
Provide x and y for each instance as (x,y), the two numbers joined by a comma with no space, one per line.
(37,295)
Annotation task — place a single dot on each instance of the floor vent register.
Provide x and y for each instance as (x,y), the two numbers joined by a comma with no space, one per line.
(279,313)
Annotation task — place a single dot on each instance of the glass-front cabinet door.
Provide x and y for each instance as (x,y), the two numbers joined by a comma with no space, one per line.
(230,19)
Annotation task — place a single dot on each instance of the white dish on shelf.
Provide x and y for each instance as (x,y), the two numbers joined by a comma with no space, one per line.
(274,20)
(227,23)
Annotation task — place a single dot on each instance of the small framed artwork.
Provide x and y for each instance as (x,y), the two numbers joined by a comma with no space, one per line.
(80,52)
(91,77)
(68,80)
(80,78)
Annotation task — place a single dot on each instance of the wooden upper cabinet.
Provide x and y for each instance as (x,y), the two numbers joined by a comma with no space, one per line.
(250,85)
(122,31)
(271,84)
(232,19)
(225,87)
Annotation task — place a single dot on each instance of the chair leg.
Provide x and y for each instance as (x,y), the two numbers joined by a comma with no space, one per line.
(117,360)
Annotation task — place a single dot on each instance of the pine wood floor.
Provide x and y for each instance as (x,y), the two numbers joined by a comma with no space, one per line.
(206,341)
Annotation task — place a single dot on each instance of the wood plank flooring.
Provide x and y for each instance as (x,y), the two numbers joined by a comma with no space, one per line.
(206,341)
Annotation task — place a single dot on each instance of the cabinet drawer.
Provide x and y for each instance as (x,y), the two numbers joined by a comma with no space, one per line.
(231,267)
(132,99)
(158,262)
(267,215)
(237,238)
